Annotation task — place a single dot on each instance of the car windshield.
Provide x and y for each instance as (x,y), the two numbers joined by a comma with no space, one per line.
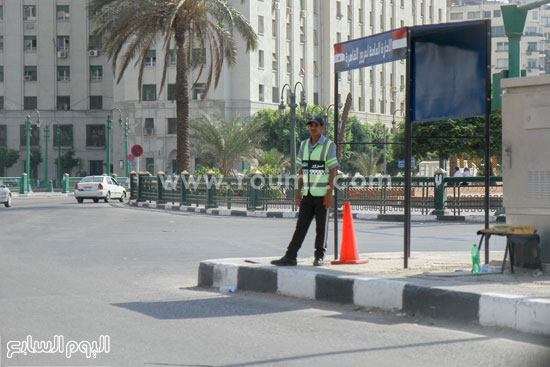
(92,179)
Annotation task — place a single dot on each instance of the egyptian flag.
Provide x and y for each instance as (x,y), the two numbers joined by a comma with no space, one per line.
(339,57)
(399,43)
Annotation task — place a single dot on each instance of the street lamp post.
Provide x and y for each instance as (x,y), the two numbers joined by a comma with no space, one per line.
(58,137)
(28,129)
(126,130)
(109,128)
(325,117)
(293,105)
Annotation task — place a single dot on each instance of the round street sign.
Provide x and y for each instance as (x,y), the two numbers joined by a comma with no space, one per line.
(137,150)
(130,158)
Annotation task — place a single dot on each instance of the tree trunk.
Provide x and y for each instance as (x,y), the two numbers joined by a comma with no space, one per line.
(342,128)
(182,106)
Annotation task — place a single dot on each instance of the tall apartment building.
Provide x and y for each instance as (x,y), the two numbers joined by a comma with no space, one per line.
(50,61)
(534,44)
(296,39)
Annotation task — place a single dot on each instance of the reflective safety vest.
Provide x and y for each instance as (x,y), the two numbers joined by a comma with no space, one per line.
(314,168)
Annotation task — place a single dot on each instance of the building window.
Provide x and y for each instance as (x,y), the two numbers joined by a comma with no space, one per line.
(149,128)
(199,57)
(288,65)
(261,92)
(199,91)
(63,73)
(30,103)
(502,46)
(1,73)
(1,102)
(94,42)
(487,14)
(96,167)
(63,12)
(172,58)
(371,105)
(3,134)
(316,99)
(63,103)
(457,16)
(96,72)
(496,13)
(171,91)
(302,34)
(149,92)
(63,43)
(274,62)
(474,15)
(275,94)
(1,12)
(261,59)
(66,135)
(29,12)
(29,43)
(502,63)
(339,14)
(497,31)
(260,25)
(531,31)
(34,135)
(30,73)
(95,136)
(274,28)
(96,102)
(532,64)
(172,126)
(1,43)
(531,47)
(151,59)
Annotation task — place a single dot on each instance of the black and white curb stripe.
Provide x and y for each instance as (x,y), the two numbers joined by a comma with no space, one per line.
(287,214)
(531,315)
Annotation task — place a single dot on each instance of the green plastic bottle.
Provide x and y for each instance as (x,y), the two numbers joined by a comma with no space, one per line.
(476,268)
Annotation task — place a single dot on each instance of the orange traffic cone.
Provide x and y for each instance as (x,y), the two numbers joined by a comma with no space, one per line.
(349,253)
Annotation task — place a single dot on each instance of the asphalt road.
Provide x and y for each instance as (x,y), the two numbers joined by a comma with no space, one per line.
(81,271)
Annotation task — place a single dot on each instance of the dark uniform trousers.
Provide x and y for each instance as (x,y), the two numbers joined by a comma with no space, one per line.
(310,206)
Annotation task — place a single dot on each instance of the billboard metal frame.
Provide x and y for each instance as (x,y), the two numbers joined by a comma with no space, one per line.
(408,125)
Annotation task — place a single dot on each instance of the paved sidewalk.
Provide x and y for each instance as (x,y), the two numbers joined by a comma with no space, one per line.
(438,285)
(286,213)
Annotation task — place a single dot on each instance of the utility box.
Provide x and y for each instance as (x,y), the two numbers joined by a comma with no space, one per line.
(526,156)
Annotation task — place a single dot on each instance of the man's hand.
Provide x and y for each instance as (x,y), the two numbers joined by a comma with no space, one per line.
(328,200)
(298,199)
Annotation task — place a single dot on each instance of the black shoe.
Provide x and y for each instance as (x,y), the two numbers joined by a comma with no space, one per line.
(284,261)
(318,261)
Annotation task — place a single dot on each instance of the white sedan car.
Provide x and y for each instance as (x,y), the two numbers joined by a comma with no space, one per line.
(99,187)
(5,195)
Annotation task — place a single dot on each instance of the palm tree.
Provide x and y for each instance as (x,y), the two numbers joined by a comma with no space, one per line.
(364,163)
(227,141)
(275,159)
(129,29)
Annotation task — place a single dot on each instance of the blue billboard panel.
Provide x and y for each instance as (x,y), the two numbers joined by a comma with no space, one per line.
(372,50)
(448,70)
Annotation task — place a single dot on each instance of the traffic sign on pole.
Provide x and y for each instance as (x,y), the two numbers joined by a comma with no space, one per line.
(137,150)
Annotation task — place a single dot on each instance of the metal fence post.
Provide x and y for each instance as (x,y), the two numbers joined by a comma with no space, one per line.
(23,184)
(210,191)
(228,199)
(160,176)
(440,192)
(50,186)
(132,185)
(184,177)
(66,180)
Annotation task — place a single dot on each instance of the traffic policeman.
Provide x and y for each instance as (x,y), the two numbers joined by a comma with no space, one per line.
(318,165)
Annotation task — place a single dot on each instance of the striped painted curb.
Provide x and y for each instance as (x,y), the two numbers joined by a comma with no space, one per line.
(530,315)
(287,214)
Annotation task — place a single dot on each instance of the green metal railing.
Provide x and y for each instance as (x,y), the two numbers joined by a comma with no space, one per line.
(379,194)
